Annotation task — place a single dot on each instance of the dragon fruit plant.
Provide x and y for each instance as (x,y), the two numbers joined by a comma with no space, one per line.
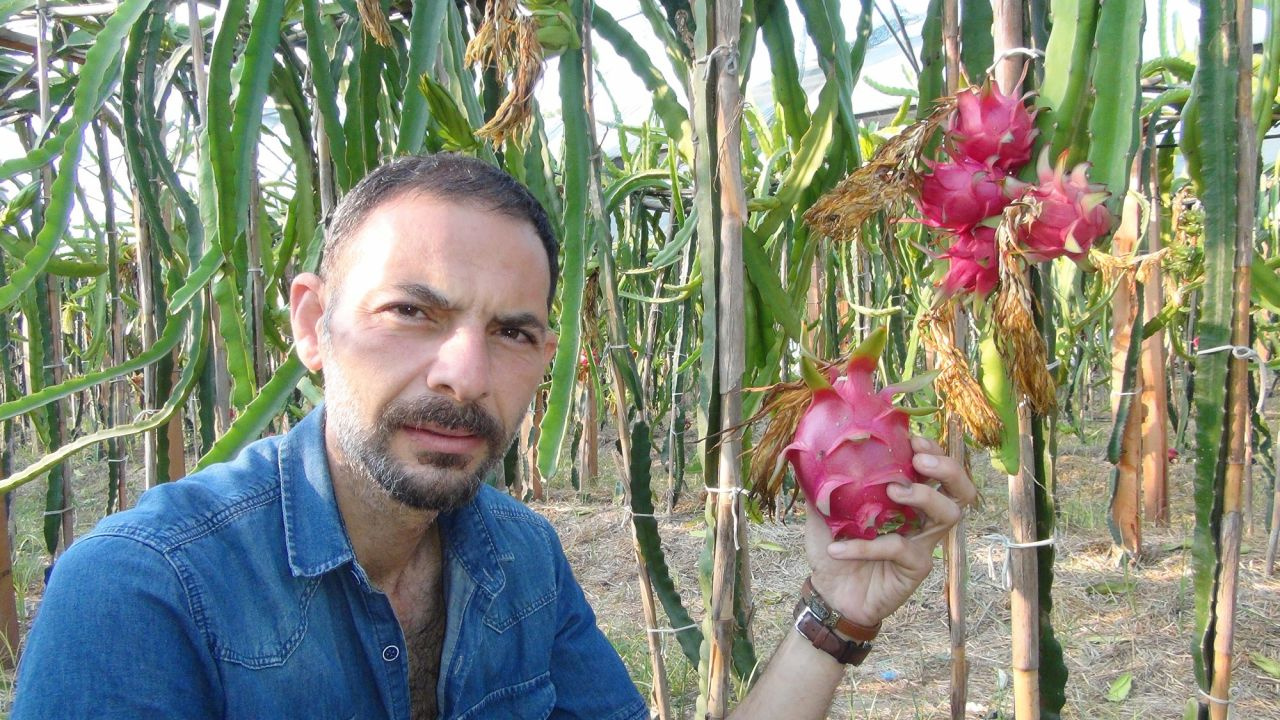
(852,442)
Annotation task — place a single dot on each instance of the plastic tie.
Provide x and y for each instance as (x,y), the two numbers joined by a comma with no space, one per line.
(1248,354)
(732,491)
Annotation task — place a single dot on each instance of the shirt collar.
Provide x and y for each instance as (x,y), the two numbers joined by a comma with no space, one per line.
(313,531)
(316,538)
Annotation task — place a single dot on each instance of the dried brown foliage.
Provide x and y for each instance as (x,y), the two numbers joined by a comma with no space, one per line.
(960,393)
(784,405)
(508,42)
(1018,338)
(375,22)
(886,182)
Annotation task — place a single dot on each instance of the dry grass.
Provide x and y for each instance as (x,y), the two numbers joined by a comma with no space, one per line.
(1145,631)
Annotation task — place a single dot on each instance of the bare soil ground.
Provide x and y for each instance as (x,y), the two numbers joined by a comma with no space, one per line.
(1110,621)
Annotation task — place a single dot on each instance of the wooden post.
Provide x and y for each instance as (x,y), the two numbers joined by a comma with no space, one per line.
(1238,410)
(1126,524)
(731,336)
(1155,397)
(955,551)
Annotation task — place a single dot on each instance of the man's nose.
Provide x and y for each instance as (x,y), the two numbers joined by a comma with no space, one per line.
(461,367)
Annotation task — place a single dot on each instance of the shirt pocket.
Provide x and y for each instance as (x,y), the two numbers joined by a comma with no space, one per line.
(529,700)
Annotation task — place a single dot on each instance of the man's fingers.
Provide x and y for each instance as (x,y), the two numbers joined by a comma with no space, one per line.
(949,472)
(942,511)
(922,444)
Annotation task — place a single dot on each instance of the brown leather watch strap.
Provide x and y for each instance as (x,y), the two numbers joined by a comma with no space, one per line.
(832,619)
(845,652)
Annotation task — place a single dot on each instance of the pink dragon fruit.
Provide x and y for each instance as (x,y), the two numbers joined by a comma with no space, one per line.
(1072,212)
(960,193)
(991,128)
(852,443)
(973,265)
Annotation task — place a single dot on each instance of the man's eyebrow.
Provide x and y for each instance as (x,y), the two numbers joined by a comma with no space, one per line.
(522,320)
(426,295)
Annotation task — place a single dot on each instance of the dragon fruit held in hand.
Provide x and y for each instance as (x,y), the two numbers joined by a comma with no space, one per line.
(973,265)
(991,127)
(1072,213)
(960,193)
(852,443)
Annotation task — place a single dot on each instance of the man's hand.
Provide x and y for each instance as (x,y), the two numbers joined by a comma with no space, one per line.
(866,580)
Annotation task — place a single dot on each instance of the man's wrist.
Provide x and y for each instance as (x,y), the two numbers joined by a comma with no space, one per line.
(832,618)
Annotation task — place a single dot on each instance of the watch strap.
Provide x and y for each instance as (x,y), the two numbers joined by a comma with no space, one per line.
(845,652)
(831,618)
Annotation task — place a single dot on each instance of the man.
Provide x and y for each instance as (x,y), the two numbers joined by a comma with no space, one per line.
(358,567)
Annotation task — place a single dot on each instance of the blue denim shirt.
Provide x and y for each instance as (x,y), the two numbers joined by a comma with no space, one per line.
(235,594)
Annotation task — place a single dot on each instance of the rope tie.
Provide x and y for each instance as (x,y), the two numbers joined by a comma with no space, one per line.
(671,630)
(1006,574)
(1029,52)
(731,65)
(1212,699)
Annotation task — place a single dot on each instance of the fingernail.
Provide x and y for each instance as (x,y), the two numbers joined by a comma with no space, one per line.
(835,548)
(897,491)
(926,462)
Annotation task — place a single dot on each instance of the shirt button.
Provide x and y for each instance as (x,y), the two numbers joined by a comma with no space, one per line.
(390,653)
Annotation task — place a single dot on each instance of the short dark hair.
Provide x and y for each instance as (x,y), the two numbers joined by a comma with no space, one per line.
(444,176)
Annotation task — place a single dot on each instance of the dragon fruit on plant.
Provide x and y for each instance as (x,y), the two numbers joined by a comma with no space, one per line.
(852,443)
(1071,215)
(973,265)
(961,192)
(990,127)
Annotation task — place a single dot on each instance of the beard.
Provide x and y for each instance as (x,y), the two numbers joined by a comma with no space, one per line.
(434,480)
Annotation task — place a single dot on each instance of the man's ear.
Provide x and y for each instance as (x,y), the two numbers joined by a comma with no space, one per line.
(306,315)
(549,346)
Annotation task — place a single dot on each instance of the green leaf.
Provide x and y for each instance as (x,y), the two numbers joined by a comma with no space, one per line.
(1270,666)
(1120,688)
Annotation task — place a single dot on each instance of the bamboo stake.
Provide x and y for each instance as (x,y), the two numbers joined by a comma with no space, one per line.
(115,395)
(955,550)
(1155,398)
(1024,600)
(613,313)
(731,345)
(1125,307)
(1238,410)
(55,360)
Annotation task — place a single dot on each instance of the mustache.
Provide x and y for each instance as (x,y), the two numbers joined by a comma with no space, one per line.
(440,411)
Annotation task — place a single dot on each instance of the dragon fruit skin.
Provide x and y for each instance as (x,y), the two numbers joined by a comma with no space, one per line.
(850,445)
(973,265)
(992,128)
(1072,213)
(960,193)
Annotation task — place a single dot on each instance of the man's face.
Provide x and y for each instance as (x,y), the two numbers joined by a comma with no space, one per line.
(433,341)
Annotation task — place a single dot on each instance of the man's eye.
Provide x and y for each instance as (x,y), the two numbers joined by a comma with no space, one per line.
(518,334)
(407,311)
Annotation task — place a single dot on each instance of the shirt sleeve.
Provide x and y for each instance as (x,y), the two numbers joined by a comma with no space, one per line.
(113,638)
(589,677)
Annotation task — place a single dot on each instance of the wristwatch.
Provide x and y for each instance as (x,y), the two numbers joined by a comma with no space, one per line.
(819,623)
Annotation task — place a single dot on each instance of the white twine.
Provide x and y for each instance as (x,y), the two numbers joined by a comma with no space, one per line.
(731,65)
(1123,394)
(732,491)
(1211,698)
(1006,573)
(1029,52)
(255,270)
(1240,352)
(670,630)
(56,512)
(1053,365)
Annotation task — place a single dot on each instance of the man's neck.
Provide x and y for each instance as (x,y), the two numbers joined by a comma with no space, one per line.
(389,538)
